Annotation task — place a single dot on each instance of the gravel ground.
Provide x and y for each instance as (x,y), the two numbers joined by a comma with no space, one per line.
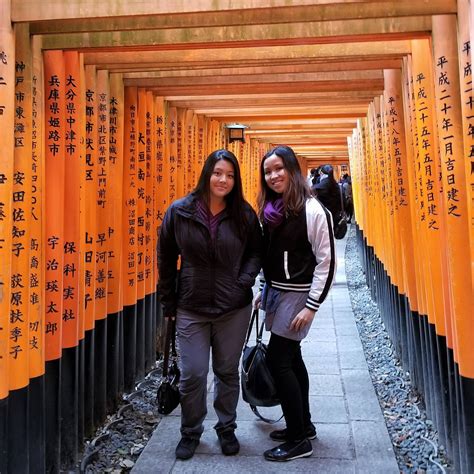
(119,442)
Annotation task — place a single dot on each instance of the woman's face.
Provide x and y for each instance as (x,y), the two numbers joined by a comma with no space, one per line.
(276,175)
(222,179)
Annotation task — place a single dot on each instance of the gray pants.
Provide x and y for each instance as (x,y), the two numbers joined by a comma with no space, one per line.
(198,334)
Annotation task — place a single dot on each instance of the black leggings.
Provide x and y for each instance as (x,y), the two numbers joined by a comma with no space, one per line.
(291,378)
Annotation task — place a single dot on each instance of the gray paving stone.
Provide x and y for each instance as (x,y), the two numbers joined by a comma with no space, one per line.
(325,334)
(328,409)
(352,359)
(360,395)
(346,328)
(240,464)
(373,448)
(334,441)
(320,323)
(343,314)
(313,348)
(328,365)
(329,385)
(349,343)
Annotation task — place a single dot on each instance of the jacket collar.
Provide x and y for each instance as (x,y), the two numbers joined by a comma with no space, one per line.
(188,208)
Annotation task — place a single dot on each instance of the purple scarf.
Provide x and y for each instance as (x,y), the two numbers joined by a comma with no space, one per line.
(273,213)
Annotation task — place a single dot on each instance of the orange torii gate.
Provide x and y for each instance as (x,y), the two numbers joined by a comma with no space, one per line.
(100,137)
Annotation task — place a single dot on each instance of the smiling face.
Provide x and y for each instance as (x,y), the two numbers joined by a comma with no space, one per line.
(222,179)
(276,175)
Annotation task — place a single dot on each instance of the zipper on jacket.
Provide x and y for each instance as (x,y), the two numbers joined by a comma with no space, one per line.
(285,264)
(212,248)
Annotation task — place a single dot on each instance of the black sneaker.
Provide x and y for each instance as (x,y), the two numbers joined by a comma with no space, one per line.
(186,448)
(281,435)
(229,443)
(289,451)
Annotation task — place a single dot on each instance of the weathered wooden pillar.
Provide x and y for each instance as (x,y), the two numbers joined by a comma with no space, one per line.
(114,269)
(140,230)
(73,114)
(7,114)
(88,242)
(150,235)
(36,402)
(431,221)
(129,234)
(54,82)
(99,141)
(402,196)
(465,31)
(459,252)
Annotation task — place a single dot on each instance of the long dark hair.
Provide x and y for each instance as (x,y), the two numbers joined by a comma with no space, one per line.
(297,191)
(235,201)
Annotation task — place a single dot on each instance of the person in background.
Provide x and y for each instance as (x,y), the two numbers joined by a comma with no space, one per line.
(299,265)
(217,235)
(348,201)
(329,192)
(316,177)
(312,176)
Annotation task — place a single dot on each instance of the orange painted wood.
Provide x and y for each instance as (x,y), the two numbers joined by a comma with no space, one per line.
(172,126)
(150,222)
(115,280)
(130,197)
(19,338)
(465,36)
(88,198)
(102,194)
(141,192)
(162,182)
(73,116)
(54,83)
(431,224)
(455,196)
(7,109)
(37,266)
(394,98)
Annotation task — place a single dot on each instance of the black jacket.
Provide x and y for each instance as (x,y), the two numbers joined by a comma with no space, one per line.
(215,277)
(329,193)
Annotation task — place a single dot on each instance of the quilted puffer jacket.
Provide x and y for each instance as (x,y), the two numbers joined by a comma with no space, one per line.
(216,276)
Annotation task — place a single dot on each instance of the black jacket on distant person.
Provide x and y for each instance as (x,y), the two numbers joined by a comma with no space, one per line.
(216,276)
(329,193)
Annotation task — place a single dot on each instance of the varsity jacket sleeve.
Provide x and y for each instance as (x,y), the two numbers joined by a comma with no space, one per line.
(168,253)
(252,260)
(321,238)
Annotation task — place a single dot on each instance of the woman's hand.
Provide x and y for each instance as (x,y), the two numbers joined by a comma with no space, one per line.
(302,319)
(257,300)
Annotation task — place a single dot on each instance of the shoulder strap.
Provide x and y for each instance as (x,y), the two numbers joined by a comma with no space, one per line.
(258,328)
(266,420)
(170,342)
(253,318)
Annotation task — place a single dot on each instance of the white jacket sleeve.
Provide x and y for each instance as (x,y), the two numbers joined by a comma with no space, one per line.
(321,238)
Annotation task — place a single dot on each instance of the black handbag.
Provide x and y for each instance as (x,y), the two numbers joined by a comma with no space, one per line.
(340,226)
(168,392)
(258,386)
(340,222)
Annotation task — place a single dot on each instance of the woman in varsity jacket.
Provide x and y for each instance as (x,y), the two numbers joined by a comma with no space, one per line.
(299,265)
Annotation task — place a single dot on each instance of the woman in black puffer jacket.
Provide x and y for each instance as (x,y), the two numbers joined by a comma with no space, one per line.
(218,238)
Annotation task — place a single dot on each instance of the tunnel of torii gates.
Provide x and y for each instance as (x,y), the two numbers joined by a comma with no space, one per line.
(107,112)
